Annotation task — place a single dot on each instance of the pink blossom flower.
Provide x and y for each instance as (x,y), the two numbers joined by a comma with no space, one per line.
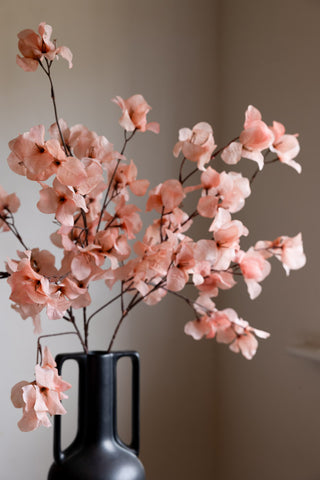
(37,159)
(41,397)
(208,206)
(69,170)
(9,203)
(126,175)
(113,246)
(165,197)
(183,264)
(32,291)
(227,235)
(254,268)
(197,144)
(93,177)
(209,200)
(35,47)
(246,341)
(233,190)
(202,327)
(255,138)
(172,194)
(285,146)
(228,328)
(289,250)
(43,262)
(215,281)
(83,262)
(85,143)
(29,155)
(247,344)
(134,114)
(61,200)
(76,291)
(129,218)
(210,178)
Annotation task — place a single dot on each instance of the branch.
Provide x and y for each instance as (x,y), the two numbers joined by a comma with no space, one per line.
(39,349)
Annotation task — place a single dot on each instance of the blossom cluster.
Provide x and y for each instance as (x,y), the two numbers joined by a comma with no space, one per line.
(89,188)
(42,397)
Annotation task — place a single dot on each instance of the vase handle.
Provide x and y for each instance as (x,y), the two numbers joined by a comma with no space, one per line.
(58,454)
(135,422)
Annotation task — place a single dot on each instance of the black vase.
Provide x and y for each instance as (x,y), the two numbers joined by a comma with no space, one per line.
(97,453)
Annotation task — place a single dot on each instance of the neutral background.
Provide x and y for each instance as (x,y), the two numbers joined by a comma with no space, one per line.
(206,413)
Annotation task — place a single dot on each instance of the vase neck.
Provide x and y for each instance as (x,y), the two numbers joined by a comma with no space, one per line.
(97,399)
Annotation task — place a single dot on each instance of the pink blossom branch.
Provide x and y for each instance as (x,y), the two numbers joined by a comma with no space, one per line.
(161,225)
(11,225)
(108,303)
(190,217)
(124,314)
(85,326)
(72,319)
(53,98)
(213,156)
(121,298)
(134,301)
(180,170)
(39,348)
(268,162)
(189,302)
(85,229)
(105,201)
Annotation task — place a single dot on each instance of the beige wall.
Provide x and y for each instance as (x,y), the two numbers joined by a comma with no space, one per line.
(166,51)
(268,409)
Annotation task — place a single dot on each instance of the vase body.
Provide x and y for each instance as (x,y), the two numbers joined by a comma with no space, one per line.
(97,453)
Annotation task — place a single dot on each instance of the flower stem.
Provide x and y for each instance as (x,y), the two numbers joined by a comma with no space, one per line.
(11,225)
(73,321)
(134,301)
(105,201)
(39,349)
(108,303)
(85,326)
(53,98)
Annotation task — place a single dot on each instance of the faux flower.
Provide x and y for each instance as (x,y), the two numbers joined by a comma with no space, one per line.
(254,268)
(197,144)
(34,48)
(134,114)
(254,138)
(41,397)
(285,146)
(289,250)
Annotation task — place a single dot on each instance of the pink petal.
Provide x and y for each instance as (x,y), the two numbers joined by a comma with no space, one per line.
(153,127)
(27,64)
(207,206)
(80,267)
(232,153)
(17,394)
(139,187)
(252,115)
(47,358)
(65,53)
(176,279)
(71,172)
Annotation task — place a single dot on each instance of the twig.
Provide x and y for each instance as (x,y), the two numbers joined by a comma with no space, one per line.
(104,205)
(53,98)
(39,349)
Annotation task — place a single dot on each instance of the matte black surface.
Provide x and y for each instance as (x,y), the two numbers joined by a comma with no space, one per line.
(97,453)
